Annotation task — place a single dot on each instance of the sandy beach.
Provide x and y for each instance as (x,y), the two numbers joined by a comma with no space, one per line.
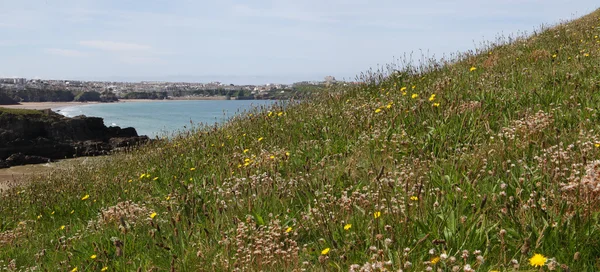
(45,105)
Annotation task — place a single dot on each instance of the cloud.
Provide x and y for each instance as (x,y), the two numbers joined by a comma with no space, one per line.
(65,52)
(115,46)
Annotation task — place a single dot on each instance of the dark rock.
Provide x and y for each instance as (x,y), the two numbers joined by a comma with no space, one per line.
(21,159)
(37,138)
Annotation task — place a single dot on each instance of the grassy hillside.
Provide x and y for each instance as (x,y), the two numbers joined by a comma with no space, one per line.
(476,164)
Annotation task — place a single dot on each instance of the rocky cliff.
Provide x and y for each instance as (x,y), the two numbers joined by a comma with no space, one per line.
(28,137)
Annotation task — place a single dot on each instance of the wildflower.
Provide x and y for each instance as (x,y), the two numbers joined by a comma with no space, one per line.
(260,139)
(104,268)
(436,104)
(414,86)
(432,97)
(554,56)
(389,106)
(85,197)
(155,178)
(413,96)
(272,157)
(193,169)
(153,215)
(586,55)
(93,256)
(280,113)
(403,89)
(376,214)
(378,110)
(72,211)
(288,230)
(287,154)
(414,198)
(597,145)
(538,260)
(472,69)
(142,176)
(167,197)
(347,226)
(62,227)
(74,269)
(325,251)
(435,260)
(246,150)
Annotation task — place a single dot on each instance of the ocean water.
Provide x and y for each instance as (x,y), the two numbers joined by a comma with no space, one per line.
(162,118)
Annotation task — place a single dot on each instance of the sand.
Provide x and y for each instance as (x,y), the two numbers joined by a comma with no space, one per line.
(45,105)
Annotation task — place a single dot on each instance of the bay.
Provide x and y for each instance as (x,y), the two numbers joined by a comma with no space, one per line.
(163,118)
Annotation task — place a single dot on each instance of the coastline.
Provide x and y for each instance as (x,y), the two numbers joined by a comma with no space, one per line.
(58,105)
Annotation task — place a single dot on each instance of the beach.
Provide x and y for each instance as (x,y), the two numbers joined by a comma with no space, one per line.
(45,105)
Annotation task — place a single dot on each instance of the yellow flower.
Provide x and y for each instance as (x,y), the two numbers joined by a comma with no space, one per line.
(414,198)
(389,106)
(554,56)
(586,55)
(93,256)
(287,154)
(85,197)
(378,110)
(62,227)
(435,260)
(414,86)
(193,169)
(153,215)
(280,113)
(413,96)
(472,69)
(155,178)
(104,268)
(74,269)
(597,144)
(376,214)
(432,97)
(288,230)
(260,139)
(270,113)
(246,150)
(403,89)
(142,176)
(325,251)
(272,157)
(72,211)
(538,260)
(167,197)
(347,226)
(436,104)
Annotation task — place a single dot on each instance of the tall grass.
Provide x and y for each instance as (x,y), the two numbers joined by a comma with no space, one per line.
(471,164)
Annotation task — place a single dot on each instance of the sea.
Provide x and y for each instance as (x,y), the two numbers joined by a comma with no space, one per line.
(164,118)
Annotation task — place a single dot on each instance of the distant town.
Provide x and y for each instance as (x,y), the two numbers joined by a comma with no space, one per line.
(15,90)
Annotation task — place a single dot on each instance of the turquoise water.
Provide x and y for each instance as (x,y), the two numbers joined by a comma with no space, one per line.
(163,117)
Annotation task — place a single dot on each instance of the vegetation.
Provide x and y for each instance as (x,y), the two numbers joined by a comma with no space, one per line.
(20,111)
(38,95)
(489,161)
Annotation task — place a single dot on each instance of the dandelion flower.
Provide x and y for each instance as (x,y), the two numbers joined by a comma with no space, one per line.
(432,97)
(436,104)
(538,260)
(93,256)
(472,69)
(287,154)
(62,227)
(403,89)
(325,251)
(85,197)
(435,260)
(280,113)
(260,139)
(377,110)
(153,215)
(597,144)
(246,150)
(74,269)
(104,268)
(193,169)
(376,214)
(413,96)
(414,198)
(272,157)
(347,226)
(288,230)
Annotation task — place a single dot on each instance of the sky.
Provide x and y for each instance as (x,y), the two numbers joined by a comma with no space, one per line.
(251,42)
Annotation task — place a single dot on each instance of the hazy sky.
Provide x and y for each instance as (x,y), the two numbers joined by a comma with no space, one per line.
(276,41)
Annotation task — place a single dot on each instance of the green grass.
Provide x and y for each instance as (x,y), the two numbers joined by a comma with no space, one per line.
(480,179)
(19,111)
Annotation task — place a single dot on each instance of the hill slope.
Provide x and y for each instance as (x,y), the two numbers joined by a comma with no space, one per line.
(477,164)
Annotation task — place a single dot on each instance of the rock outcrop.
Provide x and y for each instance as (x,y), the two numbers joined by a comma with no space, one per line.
(43,136)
